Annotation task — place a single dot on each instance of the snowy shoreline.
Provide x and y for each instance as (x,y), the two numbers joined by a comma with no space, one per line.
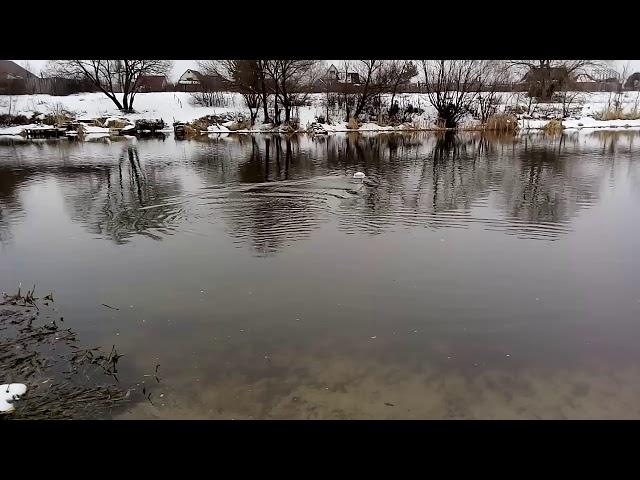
(180,107)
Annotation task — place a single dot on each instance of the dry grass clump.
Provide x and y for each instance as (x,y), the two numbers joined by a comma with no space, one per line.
(616,113)
(554,127)
(8,119)
(57,115)
(189,131)
(116,123)
(353,124)
(201,124)
(502,122)
(240,125)
(286,128)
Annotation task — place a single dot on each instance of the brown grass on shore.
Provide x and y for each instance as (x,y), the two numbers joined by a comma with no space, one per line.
(554,127)
(502,122)
(617,113)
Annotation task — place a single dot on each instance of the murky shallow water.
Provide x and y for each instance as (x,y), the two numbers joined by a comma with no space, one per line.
(465,278)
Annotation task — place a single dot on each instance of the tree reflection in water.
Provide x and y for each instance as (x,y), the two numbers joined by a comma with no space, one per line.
(126,199)
(272,190)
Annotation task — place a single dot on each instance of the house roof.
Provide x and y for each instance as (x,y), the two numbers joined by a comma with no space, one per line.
(195,72)
(555,73)
(12,69)
(152,81)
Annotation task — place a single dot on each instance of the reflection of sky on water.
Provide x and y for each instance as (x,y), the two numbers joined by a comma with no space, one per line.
(498,276)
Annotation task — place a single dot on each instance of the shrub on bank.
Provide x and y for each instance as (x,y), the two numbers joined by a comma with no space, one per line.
(353,124)
(502,122)
(57,115)
(554,127)
(240,125)
(6,119)
(616,113)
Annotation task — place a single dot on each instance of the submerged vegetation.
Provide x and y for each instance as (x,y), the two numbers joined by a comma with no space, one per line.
(64,379)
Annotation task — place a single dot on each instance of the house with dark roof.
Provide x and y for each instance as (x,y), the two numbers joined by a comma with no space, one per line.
(12,71)
(334,77)
(16,80)
(152,83)
(194,81)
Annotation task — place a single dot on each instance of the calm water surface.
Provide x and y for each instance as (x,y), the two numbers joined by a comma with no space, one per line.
(467,277)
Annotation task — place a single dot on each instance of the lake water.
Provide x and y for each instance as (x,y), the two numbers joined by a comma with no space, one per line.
(466,277)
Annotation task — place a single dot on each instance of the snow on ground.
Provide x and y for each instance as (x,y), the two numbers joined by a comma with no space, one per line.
(217,129)
(580,123)
(16,130)
(180,106)
(91,129)
(9,393)
(170,106)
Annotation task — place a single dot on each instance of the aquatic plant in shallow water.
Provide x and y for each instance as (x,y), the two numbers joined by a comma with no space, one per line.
(59,378)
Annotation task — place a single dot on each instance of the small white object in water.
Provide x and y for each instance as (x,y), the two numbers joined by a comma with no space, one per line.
(9,393)
(358,175)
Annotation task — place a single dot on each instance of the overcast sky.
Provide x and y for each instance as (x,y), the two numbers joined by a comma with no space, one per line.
(179,66)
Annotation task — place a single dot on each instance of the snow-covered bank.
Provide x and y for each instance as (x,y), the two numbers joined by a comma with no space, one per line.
(170,106)
(181,107)
(580,123)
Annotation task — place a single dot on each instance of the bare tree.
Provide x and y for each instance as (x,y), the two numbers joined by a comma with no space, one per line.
(241,76)
(113,77)
(346,91)
(292,80)
(568,99)
(262,79)
(545,77)
(400,73)
(328,88)
(373,81)
(210,87)
(496,76)
(272,70)
(453,86)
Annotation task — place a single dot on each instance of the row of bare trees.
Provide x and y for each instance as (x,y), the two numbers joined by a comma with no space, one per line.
(117,79)
(276,87)
(453,87)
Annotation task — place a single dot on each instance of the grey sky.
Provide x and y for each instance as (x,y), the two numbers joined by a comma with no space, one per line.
(179,66)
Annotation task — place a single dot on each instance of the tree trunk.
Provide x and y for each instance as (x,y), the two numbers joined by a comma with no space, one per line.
(326,119)
(263,88)
(287,113)
(347,108)
(266,159)
(287,159)
(276,113)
